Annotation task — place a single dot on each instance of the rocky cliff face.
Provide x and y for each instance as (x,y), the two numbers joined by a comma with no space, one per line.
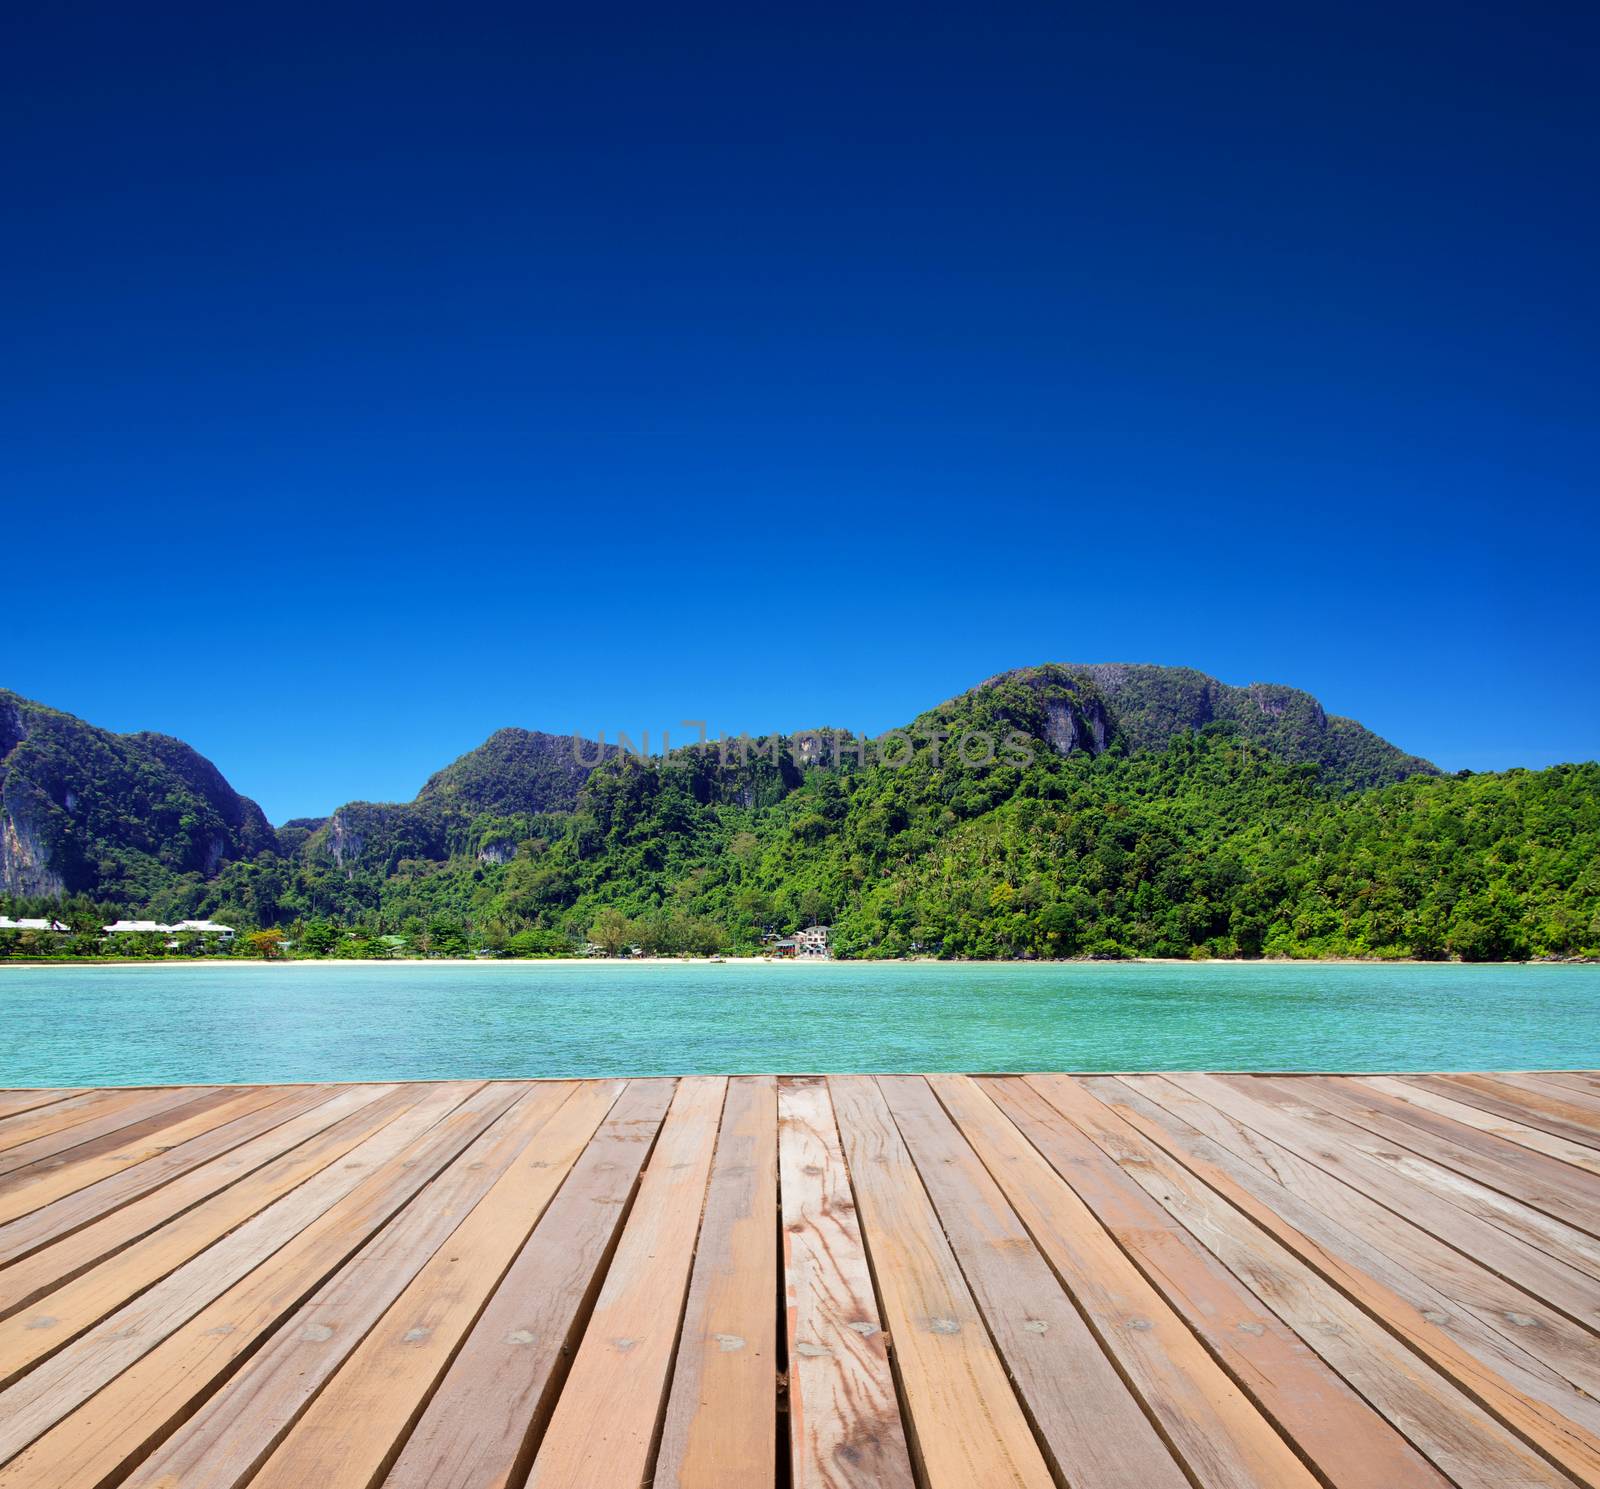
(24,867)
(1058,705)
(1151,705)
(86,810)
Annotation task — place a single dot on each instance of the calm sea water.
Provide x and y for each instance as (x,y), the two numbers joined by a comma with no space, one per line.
(320,1022)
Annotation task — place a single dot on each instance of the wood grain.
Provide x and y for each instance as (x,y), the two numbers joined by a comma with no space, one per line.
(720,1430)
(488,1414)
(1426,1410)
(1217,1432)
(1556,1437)
(332,1393)
(604,1426)
(1101,1282)
(845,1430)
(1093,1431)
(967,1427)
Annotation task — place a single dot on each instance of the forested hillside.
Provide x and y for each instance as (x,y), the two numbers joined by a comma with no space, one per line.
(1047,813)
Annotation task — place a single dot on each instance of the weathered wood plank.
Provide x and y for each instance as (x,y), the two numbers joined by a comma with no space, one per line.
(161,1153)
(1093,1430)
(372,1342)
(64,1313)
(604,1426)
(1408,1185)
(965,1425)
(1522,1179)
(1583,1081)
(67,1112)
(1444,1424)
(1451,1110)
(14,1103)
(720,1430)
(1537,1083)
(1570,1253)
(1290,1389)
(845,1430)
(1539,1351)
(1216,1431)
(44,1251)
(1231,1282)
(103,1125)
(1553,1434)
(484,1421)
(1553,1114)
(162,1347)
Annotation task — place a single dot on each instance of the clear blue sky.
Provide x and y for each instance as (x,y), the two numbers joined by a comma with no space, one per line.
(375,379)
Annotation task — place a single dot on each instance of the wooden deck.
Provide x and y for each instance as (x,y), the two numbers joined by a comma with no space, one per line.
(1130,1282)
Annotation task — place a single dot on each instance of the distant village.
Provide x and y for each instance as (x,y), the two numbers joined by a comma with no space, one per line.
(814,943)
(222,934)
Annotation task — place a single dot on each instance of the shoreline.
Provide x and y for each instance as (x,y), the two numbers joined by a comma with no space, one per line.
(64,964)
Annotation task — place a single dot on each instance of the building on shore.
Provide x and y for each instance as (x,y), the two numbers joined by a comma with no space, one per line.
(202,928)
(54,926)
(814,942)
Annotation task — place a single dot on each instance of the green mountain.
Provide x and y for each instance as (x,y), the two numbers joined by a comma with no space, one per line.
(1050,811)
(482,803)
(1151,706)
(119,816)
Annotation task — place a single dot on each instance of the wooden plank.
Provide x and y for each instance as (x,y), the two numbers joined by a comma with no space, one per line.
(1574,1154)
(77,1207)
(69,1111)
(964,1424)
(1550,1432)
(389,1321)
(1537,1350)
(1552,1114)
(42,1252)
(1539,1084)
(1407,1185)
(41,1185)
(14,1103)
(720,1430)
(1571,1251)
(1583,1081)
(1093,1430)
(1308,1403)
(1527,1178)
(126,1110)
(208,1312)
(605,1422)
(1444,1424)
(485,1419)
(844,1419)
(63,1312)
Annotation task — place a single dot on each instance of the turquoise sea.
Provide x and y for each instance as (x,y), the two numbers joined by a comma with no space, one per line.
(326,1022)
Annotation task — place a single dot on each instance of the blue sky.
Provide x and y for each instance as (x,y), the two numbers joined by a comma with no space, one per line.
(375,378)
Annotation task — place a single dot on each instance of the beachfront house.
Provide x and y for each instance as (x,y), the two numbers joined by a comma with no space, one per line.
(55,926)
(223,933)
(814,941)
